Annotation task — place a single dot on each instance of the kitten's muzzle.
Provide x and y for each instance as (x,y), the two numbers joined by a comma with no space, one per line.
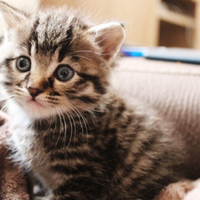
(34,91)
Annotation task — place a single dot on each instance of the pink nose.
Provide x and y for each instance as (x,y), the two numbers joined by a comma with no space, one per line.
(34,91)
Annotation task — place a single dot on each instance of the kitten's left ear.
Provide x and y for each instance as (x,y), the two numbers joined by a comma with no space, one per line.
(109,37)
(10,16)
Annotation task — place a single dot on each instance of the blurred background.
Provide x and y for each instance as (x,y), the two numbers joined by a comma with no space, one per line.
(170,23)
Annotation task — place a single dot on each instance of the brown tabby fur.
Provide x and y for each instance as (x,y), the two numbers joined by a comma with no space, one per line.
(79,138)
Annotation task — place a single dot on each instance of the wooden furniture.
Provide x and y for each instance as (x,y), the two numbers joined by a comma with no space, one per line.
(148,22)
(178,23)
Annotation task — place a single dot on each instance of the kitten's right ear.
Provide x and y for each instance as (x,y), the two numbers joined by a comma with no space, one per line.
(109,37)
(10,16)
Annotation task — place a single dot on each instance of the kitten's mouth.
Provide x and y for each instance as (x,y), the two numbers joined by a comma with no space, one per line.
(34,103)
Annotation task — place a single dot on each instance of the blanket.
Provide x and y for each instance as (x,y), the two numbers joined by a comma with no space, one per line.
(13,183)
(177,191)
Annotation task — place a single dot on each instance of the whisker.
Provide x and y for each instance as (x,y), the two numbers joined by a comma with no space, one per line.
(81,119)
(75,128)
(64,127)
(60,119)
(80,115)
(71,130)
(6,97)
(78,56)
(86,51)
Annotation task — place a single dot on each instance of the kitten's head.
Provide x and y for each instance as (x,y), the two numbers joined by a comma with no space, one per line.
(53,61)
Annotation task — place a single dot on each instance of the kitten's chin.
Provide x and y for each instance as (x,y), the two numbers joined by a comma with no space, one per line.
(37,111)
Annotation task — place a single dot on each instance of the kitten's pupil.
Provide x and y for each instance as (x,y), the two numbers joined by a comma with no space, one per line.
(23,64)
(64,73)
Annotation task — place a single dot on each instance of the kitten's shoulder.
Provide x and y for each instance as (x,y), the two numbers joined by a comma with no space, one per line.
(128,112)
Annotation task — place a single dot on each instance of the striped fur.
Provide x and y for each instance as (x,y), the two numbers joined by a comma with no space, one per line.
(78,137)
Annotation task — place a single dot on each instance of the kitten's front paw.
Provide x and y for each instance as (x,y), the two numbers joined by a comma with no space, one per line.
(175,191)
(194,194)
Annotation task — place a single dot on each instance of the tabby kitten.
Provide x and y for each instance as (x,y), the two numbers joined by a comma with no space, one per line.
(69,127)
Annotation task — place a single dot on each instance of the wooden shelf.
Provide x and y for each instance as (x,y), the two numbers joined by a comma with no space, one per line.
(176,18)
(174,23)
(195,1)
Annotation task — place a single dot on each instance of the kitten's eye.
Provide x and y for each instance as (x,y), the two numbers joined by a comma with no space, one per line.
(64,73)
(23,64)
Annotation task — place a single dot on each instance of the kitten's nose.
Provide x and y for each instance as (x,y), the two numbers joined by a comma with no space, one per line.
(34,91)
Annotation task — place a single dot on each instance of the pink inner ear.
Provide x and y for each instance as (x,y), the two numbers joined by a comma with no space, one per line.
(11,16)
(109,45)
(110,40)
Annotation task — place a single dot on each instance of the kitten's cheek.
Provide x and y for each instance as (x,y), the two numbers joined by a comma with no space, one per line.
(27,98)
